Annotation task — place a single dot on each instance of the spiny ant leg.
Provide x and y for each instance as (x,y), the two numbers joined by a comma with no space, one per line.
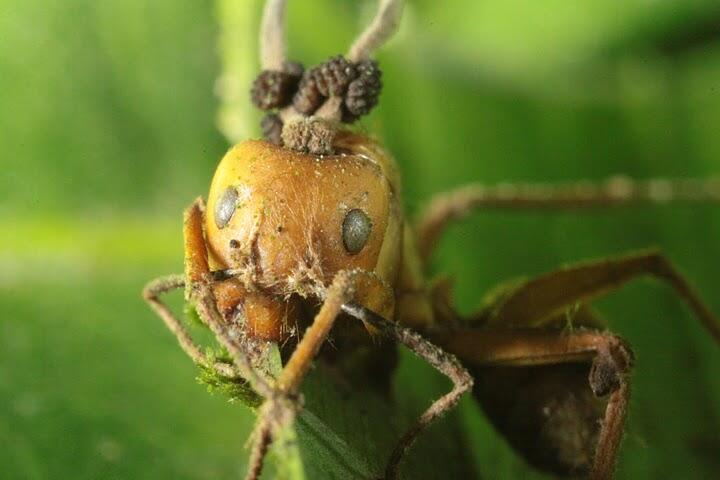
(151,293)
(611,434)
(659,266)
(207,309)
(519,327)
(340,292)
(202,297)
(262,439)
(282,402)
(280,408)
(536,301)
(614,192)
(442,361)
(198,291)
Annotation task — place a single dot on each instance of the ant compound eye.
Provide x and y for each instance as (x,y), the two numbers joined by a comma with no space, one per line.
(356,230)
(225,207)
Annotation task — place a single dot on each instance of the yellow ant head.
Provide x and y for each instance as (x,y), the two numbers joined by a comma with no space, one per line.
(290,221)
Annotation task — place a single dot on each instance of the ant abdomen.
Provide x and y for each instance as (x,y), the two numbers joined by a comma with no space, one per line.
(547,413)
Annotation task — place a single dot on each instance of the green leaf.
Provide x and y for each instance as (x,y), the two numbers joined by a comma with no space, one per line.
(108,130)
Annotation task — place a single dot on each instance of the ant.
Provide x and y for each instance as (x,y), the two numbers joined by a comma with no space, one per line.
(305,230)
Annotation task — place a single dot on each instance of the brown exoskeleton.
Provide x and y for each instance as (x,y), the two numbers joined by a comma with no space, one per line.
(308,228)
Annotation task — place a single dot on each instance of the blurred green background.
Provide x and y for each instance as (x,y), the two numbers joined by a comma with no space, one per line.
(109,128)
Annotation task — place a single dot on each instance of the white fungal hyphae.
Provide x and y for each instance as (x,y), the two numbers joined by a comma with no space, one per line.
(244,192)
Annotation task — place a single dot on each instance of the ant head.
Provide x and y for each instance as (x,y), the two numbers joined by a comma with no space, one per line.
(293,220)
(307,106)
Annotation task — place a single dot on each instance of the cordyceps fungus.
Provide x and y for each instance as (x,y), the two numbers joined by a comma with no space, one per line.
(314,103)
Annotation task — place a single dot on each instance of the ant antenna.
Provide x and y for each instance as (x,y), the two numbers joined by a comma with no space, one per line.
(310,104)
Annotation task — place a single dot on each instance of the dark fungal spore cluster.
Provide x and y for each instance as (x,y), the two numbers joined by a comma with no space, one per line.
(271,89)
(274,89)
(272,126)
(359,84)
(363,92)
(329,79)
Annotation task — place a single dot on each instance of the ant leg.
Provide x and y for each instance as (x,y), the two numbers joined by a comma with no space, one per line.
(514,328)
(611,361)
(281,403)
(340,292)
(198,291)
(438,358)
(611,433)
(202,296)
(151,293)
(195,248)
(613,192)
(196,278)
(261,444)
(536,302)
(280,407)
